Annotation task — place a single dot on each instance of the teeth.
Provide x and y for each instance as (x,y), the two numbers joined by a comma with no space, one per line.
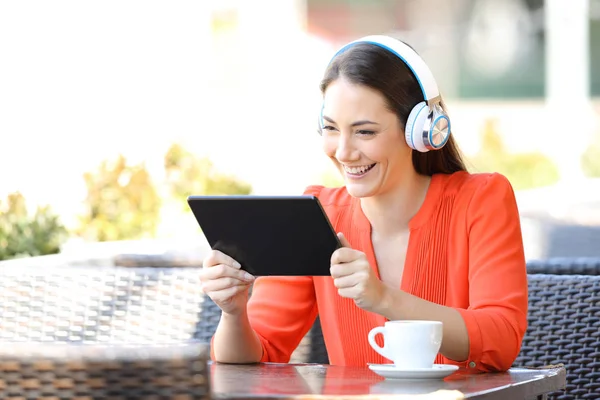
(357,170)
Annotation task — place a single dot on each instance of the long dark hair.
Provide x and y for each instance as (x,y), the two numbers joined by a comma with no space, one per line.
(370,65)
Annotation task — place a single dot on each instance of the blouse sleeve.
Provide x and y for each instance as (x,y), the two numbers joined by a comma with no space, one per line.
(496,318)
(282,310)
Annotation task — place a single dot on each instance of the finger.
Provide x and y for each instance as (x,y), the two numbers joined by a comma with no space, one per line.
(349,292)
(345,255)
(216,257)
(347,281)
(343,240)
(224,295)
(222,271)
(345,269)
(224,283)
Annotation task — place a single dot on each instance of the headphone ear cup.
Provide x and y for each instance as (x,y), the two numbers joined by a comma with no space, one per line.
(413,131)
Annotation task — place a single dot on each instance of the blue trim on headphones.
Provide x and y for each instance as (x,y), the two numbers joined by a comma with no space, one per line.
(393,52)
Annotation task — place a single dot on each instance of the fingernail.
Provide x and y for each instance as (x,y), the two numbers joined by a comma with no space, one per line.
(248,277)
(237,264)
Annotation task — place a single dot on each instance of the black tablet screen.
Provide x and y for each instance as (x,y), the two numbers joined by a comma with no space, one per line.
(269,235)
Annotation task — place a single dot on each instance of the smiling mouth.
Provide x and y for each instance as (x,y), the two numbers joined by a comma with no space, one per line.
(358,171)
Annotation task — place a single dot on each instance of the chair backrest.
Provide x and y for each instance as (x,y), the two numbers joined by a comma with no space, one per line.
(565,266)
(564,327)
(85,304)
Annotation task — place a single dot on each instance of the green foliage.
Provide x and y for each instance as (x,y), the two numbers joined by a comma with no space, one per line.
(122,202)
(23,235)
(523,170)
(188,175)
(590,160)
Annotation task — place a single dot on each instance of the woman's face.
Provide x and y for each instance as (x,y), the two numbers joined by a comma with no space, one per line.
(364,139)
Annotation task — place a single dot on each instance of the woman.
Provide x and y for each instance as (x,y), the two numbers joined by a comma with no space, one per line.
(422,238)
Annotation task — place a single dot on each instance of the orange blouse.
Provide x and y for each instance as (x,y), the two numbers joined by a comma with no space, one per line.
(465,251)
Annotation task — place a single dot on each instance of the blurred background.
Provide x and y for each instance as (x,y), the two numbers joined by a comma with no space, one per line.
(113,112)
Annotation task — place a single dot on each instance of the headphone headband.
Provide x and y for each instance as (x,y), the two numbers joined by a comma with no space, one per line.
(412,60)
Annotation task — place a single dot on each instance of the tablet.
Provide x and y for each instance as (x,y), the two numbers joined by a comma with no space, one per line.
(269,235)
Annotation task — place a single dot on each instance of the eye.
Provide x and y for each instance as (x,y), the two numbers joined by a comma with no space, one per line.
(328,128)
(365,132)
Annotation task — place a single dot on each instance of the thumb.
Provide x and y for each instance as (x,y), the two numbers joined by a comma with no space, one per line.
(343,240)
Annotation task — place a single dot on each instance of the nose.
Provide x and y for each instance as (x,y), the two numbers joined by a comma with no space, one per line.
(345,150)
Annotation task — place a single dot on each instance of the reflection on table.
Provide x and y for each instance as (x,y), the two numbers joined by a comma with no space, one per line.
(299,380)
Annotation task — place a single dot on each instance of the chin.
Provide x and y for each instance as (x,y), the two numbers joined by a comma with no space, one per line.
(360,190)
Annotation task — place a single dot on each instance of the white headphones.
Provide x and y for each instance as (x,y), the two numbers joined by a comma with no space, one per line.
(428,126)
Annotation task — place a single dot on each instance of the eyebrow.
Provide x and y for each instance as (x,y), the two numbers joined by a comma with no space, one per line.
(356,123)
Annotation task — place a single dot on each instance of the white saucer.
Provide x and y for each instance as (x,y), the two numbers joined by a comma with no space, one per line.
(389,371)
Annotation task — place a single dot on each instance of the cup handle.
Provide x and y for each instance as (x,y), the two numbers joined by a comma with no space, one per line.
(373,343)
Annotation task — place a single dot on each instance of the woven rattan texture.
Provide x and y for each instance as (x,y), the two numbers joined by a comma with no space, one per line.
(103,374)
(565,266)
(564,327)
(116,305)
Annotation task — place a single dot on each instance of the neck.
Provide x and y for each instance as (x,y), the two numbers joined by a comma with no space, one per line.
(389,213)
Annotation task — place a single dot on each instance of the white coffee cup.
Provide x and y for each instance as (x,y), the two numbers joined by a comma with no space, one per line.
(409,344)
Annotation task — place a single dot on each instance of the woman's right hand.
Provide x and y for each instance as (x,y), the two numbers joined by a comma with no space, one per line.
(225,283)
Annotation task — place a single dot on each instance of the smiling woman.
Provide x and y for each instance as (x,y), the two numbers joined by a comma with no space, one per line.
(423,239)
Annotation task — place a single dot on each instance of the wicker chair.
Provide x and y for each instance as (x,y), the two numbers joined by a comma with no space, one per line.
(92,305)
(564,327)
(565,266)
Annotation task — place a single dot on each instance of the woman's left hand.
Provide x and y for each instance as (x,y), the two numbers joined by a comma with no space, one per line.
(354,278)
